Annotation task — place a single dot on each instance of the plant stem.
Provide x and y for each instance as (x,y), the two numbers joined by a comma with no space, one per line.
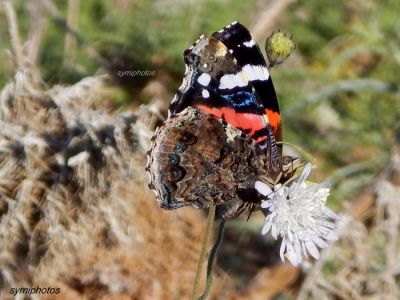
(14,31)
(210,221)
(211,260)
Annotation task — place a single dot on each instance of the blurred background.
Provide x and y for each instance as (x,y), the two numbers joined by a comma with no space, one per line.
(339,98)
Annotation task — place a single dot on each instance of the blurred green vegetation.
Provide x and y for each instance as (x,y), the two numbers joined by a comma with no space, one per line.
(339,92)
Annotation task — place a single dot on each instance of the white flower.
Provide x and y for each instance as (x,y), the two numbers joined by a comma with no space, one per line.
(298,214)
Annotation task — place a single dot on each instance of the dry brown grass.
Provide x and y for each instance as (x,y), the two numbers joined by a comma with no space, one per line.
(75,209)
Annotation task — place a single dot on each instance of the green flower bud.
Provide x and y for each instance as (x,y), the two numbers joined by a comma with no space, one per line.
(278,47)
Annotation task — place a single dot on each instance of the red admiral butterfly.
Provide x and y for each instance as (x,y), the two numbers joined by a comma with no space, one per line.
(222,128)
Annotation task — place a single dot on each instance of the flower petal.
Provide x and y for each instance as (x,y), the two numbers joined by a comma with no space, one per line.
(294,260)
(331,214)
(306,172)
(304,250)
(274,231)
(266,204)
(312,249)
(331,236)
(291,255)
(297,249)
(266,227)
(282,250)
(319,242)
(327,224)
(262,188)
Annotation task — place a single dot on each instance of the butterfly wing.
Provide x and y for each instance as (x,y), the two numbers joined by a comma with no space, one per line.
(223,81)
(252,64)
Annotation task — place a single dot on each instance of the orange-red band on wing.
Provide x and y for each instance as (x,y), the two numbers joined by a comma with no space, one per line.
(274,119)
(248,122)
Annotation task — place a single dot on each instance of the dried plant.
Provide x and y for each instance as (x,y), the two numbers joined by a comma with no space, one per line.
(75,211)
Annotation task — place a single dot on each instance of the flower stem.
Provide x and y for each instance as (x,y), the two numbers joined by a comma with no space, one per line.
(210,221)
(211,259)
(303,152)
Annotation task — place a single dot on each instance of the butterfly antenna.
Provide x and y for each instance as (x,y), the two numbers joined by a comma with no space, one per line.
(241,209)
(252,207)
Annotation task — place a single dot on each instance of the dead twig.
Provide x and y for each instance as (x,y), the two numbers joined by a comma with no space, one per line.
(36,30)
(268,17)
(72,22)
(14,32)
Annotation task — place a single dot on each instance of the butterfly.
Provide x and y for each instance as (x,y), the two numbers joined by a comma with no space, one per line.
(222,129)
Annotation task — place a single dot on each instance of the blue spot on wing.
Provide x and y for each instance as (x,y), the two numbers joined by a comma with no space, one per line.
(243,101)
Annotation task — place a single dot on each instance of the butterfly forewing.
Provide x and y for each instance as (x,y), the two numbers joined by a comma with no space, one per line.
(252,63)
(222,80)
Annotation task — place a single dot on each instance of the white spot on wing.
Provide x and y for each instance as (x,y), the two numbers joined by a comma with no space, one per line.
(230,51)
(265,71)
(252,73)
(205,94)
(249,73)
(204,79)
(249,44)
(226,82)
(259,72)
(231,80)
(256,72)
(242,78)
